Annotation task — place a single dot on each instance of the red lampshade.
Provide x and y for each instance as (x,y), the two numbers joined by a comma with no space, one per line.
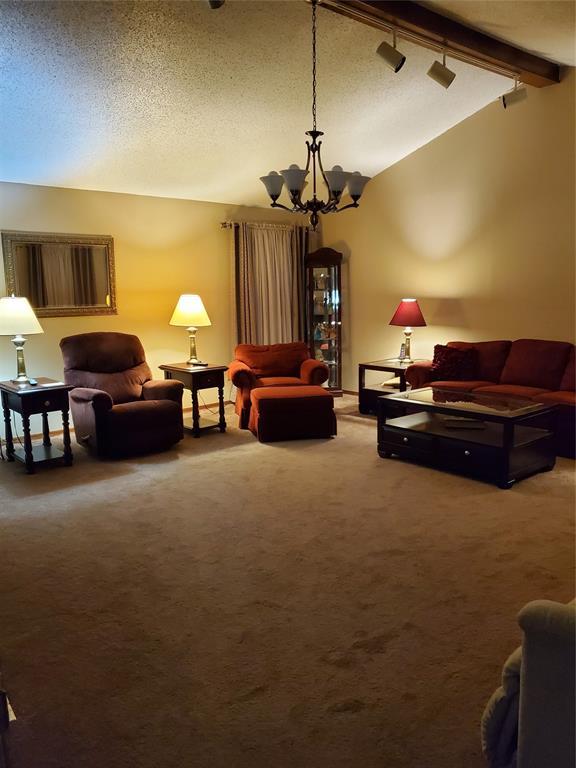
(408,314)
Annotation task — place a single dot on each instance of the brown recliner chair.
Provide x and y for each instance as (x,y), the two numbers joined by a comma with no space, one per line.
(116,407)
(271,365)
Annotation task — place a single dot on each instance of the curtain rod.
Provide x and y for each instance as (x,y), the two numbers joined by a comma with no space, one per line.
(263,224)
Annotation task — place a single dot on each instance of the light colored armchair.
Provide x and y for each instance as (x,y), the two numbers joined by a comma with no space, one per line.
(537,698)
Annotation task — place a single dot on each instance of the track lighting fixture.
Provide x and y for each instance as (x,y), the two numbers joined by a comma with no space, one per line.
(515,96)
(215,4)
(440,73)
(391,56)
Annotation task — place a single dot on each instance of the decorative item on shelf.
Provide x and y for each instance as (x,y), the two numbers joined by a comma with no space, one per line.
(16,319)
(408,315)
(191,314)
(335,180)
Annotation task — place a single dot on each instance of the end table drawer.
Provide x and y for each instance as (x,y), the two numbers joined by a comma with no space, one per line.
(209,379)
(45,400)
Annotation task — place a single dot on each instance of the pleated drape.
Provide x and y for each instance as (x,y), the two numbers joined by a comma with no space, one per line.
(269,270)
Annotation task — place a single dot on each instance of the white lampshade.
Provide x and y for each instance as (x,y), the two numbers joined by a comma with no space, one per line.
(17,317)
(190,311)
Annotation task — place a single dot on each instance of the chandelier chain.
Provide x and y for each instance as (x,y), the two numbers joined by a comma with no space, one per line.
(314,64)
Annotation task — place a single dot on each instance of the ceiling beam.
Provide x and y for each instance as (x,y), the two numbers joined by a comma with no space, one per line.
(432,30)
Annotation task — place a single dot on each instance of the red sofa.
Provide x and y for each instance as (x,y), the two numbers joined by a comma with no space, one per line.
(540,370)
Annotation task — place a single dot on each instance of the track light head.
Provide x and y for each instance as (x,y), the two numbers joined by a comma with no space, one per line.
(441,74)
(391,56)
(515,96)
(215,4)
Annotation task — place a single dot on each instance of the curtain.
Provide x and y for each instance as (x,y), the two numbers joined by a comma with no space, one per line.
(83,276)
(58,285)
(269,277)
(35,289)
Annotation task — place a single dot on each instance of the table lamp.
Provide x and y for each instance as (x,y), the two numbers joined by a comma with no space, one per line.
(191,314)
(408,314)
(17,318)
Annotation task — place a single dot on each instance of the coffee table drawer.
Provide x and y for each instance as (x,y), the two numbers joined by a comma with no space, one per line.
(407,440)
(470,459)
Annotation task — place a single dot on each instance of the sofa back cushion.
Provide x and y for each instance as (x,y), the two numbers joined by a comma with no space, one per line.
(569,377)
(113,362)
(273,359)
(491,357)
(536,363)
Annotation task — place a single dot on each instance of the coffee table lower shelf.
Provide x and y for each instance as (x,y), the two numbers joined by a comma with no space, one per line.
(479,453)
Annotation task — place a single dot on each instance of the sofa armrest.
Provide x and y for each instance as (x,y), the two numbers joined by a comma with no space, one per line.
(314,372)
(241,375)
(163,389)
(100,400)
(419,374)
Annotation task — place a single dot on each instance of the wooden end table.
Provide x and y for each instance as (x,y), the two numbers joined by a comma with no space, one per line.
(46,396)
(195,378)
(368,396)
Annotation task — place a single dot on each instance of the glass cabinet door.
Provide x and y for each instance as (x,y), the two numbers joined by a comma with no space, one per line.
(324,318)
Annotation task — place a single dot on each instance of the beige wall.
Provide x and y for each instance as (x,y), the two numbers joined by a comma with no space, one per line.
(163,247)
(478,225)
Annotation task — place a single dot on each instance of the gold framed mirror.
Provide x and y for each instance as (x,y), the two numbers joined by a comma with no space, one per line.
(61,274)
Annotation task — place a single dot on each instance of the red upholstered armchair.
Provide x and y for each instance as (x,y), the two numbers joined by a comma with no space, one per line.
(271,365)
(116,407)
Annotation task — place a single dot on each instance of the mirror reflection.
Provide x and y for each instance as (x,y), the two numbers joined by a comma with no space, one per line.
(61,274)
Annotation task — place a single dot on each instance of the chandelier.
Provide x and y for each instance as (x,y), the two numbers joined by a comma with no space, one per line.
(336,180)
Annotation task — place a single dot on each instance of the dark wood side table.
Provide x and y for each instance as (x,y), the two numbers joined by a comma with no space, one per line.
(368,396)
(195,378)
(47,396)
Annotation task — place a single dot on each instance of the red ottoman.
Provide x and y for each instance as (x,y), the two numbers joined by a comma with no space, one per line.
(291,413)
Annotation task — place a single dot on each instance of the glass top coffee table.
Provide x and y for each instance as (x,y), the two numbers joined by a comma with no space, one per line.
(496,438)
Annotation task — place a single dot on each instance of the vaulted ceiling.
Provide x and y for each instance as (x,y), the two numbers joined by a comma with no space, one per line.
(173,99)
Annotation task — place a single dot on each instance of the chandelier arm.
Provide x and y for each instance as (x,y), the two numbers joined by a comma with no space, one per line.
(308,156)
(355,204)
(279,205)
(330,195)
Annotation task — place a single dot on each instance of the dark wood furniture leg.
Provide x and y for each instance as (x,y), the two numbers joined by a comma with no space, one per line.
(29,456)
(45,430)
(8,429)
(68,458)
(195,413)
(222,421)
(508,442)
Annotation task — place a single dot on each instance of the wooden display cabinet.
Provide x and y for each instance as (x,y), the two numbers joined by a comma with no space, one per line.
(324,312)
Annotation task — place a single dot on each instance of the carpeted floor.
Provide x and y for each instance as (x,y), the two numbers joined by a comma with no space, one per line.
(236,605)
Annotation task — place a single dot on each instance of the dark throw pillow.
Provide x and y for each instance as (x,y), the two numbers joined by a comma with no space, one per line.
(450,364)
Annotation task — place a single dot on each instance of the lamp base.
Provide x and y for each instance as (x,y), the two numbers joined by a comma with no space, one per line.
(21,375)
(407,333)
(196,362)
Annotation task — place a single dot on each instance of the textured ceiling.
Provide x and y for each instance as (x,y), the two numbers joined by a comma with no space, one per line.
(174,99)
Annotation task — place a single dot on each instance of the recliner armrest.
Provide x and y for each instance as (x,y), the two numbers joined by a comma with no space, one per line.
(163,389)
(548,618)
(100,400)
(241,375)
(314,372)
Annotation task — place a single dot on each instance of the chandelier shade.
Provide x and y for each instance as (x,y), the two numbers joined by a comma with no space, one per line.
(337,180)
